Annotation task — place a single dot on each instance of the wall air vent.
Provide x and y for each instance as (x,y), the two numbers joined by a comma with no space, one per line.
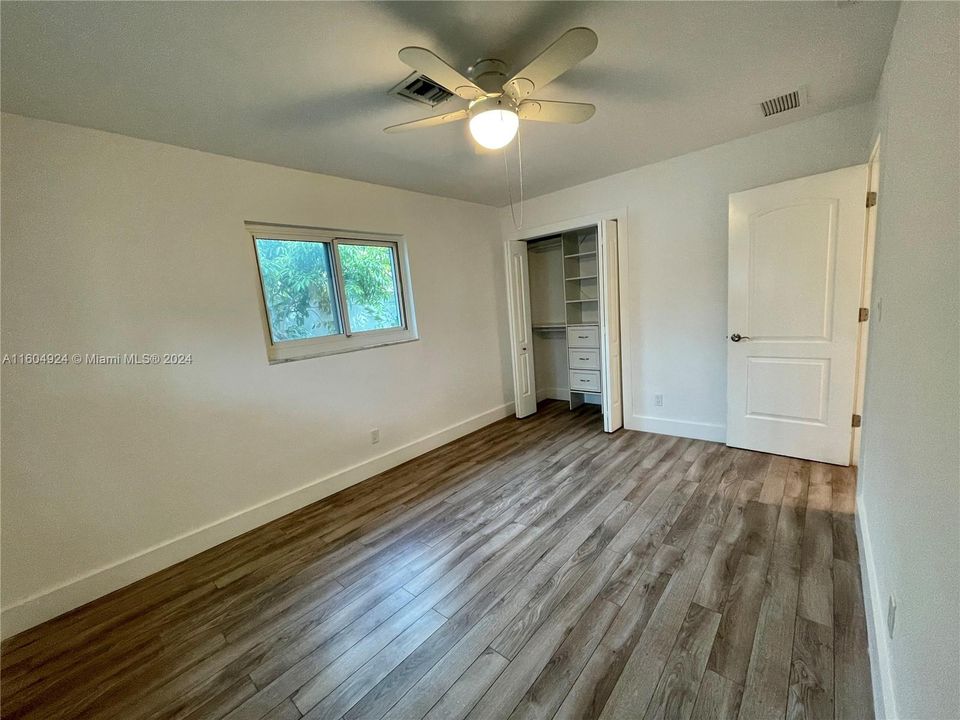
(420,89)
(782,103)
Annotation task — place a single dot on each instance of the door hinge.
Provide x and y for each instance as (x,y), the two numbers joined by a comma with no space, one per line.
(863,315)
(871,199)
(856,421)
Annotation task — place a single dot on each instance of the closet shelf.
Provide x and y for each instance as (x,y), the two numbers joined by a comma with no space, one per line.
(549,326)
(545,245)
(581,254)
(583,300)
(583,277)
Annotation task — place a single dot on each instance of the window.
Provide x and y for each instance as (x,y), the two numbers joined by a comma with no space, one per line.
(325,292)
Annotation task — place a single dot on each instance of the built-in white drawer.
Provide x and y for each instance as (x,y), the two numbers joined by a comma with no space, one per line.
(584,359)
(584,381)
(583,336)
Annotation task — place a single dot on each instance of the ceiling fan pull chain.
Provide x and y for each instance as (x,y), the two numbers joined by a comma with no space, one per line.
(520,164)
(506,178)
(506,175)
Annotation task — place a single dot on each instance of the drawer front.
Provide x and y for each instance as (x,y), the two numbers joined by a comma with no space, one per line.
(584,381)
(584,359)
(583,336)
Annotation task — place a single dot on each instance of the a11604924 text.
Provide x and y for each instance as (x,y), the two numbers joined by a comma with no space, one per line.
(88,358)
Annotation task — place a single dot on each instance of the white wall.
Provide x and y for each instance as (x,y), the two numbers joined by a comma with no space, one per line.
(676,295)
(547,307)
(112,244)
(909,486)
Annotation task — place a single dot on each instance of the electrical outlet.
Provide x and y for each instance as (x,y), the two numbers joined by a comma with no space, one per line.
(891,615)
(658,400)
(375,436)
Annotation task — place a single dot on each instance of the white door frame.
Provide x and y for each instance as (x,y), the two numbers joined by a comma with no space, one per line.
(866,290)
(512,235)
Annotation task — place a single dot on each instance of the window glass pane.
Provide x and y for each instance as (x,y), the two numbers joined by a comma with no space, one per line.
(299,289)
(370,283)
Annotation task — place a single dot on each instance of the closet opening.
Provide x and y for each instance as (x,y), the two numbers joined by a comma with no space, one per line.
(564,307)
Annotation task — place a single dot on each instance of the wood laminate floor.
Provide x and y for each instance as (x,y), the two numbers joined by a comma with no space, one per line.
(537,568)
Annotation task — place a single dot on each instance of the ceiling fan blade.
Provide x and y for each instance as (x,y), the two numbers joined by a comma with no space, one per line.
(572,47)
(556,112)
(428,122)
(426,63)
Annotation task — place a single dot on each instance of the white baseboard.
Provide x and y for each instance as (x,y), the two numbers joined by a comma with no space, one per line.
(553,394)
(57,600)
(884,701)
(678,428)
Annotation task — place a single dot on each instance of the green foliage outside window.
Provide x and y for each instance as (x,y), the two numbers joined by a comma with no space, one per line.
(370,282)
(300,290)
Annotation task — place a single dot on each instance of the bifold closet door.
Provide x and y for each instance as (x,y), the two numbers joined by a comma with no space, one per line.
(611,396)
(521,329)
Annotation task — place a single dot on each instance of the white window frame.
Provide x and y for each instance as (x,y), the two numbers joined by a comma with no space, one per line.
(346,341)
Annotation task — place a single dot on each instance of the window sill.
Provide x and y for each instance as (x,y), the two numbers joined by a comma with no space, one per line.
(306,352)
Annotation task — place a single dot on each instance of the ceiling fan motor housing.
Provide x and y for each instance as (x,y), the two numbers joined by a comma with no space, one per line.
(499,102)
(489,74)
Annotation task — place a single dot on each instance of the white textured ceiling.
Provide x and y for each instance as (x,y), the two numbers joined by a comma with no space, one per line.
(304,85)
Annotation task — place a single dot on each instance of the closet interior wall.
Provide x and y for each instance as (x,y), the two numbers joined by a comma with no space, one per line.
(547,312)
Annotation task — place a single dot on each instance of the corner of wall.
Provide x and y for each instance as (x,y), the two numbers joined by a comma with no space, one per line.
(885,704)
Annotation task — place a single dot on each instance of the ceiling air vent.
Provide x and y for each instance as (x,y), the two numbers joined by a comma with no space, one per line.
(782,103)
(420,89)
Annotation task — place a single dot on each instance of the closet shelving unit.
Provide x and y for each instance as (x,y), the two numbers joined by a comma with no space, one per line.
(582,304)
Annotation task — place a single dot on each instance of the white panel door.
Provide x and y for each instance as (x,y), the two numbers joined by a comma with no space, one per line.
(611,396)
(795,270)
(521,329)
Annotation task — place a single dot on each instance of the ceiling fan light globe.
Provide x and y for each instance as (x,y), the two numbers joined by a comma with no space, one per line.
(494,129)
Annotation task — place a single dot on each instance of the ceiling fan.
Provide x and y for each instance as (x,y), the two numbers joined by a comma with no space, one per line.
(498,103)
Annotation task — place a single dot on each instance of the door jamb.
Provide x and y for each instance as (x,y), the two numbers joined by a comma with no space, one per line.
(866,290)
